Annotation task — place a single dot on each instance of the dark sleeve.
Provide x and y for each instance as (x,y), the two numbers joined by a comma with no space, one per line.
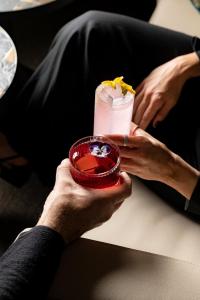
(28,267)
(196,45)
(193,205)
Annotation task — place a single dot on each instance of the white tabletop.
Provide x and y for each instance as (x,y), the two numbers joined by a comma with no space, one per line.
(8,61)
(12,5)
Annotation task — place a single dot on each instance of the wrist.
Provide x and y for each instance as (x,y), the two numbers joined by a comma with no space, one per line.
(57,222)
(189,65)
(183,177)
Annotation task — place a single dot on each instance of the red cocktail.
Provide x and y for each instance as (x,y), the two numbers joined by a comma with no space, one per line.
(95,162)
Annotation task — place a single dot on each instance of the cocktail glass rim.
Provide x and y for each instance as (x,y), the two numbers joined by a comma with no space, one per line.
(94,138)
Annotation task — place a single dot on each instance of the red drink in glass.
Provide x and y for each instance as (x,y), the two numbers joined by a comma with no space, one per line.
(95,162)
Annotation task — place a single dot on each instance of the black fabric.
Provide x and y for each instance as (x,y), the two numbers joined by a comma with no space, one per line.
(196,43)
(56,106)
(28,267)
(194,203)
(137,9)
(198,53)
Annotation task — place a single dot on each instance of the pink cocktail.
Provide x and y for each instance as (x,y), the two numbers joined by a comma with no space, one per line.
(114,102)
(95,162)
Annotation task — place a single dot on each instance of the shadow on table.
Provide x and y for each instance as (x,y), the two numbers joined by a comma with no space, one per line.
(87,265)
(91,270)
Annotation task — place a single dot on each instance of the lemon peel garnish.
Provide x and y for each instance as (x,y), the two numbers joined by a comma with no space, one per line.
(119,80)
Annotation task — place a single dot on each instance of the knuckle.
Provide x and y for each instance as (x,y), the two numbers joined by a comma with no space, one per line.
(156,100)
(158,95)
(148,92)
(141,139)
(59,168)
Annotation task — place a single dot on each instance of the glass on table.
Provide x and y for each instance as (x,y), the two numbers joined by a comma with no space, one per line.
(95,162)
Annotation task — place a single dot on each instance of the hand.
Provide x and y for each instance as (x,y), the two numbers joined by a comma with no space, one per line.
(144,156)
(72,209)
(148,158)
(160,90)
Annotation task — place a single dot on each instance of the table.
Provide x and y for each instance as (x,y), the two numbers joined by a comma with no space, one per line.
(8,61)
(12,5)
(100,271)
(32,25)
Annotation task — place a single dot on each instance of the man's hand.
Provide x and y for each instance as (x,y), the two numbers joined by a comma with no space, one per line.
(72,209)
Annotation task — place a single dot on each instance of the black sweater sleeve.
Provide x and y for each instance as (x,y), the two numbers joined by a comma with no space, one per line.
(193,205)
(28,267)
(196,45)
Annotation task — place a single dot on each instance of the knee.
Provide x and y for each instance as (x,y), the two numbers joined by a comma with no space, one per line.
(83,24)
(92,18)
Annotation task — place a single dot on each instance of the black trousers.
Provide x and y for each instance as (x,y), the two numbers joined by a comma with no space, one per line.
(56,106)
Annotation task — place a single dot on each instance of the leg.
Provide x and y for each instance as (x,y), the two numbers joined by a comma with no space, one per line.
(142,9)
(56,106)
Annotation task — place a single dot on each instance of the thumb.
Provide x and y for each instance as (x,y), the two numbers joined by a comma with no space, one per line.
(63,170)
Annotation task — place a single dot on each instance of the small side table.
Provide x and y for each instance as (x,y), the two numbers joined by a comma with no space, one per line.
(8,61)
(12,5)
(33,25)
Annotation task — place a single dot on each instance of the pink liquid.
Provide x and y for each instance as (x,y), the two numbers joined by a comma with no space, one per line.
(111,117)
(95,164)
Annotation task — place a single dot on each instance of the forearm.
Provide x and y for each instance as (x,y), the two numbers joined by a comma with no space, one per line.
(29,265)
(182,176)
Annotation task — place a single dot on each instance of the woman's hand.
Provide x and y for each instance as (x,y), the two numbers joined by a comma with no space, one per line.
(148,158)
(144,156)
(160,90)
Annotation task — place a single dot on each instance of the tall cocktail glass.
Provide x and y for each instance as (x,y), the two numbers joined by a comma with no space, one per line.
(114,102)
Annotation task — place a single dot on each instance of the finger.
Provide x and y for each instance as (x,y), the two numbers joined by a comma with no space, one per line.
(140,87)
(116,138)
(128,162)
(65,162)
(119,191)
(134,128)
(128,169)
(161,115)
(118,204)
(129,141)
(138,99)
(149,114)
(126,152)
(129,166)
(64,168)
(143,105)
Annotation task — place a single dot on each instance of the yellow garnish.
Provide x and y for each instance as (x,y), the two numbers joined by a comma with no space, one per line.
(124,86)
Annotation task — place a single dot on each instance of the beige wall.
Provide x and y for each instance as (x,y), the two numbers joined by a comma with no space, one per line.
(178,15)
